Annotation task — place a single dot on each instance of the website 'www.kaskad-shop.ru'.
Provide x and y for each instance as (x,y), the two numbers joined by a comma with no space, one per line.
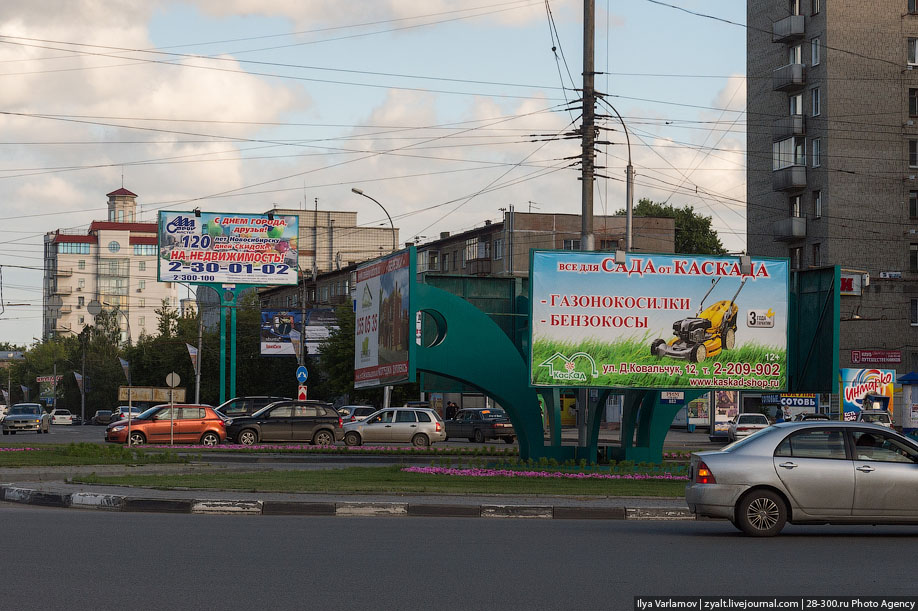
(734,382)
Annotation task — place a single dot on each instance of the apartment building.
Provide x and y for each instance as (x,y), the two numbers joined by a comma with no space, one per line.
(114,263)
(832,90)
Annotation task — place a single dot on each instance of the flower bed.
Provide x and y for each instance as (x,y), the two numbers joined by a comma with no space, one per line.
(476,472)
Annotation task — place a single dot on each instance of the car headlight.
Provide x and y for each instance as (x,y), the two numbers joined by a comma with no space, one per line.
(115,429)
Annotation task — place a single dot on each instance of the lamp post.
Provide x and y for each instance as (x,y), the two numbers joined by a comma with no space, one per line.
(629,184)
(359,192)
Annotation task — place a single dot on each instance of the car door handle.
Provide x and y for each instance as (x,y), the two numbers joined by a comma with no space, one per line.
(388,426)
(414,426)
(788,465)
(865,468)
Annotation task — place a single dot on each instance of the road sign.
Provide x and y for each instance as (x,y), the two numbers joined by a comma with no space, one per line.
(671,397)
(301,393)
(173,380)
(301,374)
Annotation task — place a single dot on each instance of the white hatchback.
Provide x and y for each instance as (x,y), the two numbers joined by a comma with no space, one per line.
(746,424)
(61,416)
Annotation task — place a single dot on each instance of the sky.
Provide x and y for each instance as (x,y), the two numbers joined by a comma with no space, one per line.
(444,111)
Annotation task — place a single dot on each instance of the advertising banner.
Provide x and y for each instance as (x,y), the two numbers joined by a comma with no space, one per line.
(855,384)
(277,326)
(381,335)
(227,248)
(658,321)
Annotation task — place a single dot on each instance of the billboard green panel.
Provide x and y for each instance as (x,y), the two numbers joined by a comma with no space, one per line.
(658,321)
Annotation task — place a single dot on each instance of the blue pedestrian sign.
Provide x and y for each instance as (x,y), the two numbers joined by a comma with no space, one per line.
(301,374)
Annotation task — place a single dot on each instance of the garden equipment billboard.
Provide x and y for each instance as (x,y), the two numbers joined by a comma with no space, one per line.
(381,334)
(658,321)
(227,248)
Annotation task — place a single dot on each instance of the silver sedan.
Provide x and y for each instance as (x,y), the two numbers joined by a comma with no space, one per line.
(808,472)
(26,417)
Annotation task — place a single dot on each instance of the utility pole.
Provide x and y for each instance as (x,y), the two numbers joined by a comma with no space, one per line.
(588,134)
(197,369)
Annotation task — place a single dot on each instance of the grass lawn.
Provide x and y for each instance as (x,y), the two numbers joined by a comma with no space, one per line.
(48,455)
(391,479)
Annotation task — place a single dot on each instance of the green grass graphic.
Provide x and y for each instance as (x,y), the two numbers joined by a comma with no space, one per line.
(637,351)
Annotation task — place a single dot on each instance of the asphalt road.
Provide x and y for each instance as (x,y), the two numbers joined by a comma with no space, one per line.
(68,558)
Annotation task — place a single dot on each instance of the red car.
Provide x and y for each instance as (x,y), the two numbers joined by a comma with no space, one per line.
(166,424)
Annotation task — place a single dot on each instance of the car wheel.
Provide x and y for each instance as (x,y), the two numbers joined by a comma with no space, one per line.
(247,437)
(761,513)
(352,439)
(210,439)
(323,438)
(420,440)
(6,432)
(12,432)
(509,439)
(479,436)
(137,438)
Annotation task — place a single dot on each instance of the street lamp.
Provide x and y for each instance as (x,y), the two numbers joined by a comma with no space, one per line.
(359,192)
(629,182)
(94,308)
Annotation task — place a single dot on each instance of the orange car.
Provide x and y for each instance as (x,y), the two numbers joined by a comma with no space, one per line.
(165,424)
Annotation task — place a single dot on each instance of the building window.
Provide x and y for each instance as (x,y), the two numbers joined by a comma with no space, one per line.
(141,284)
(817,259)
(817,4)
(817,204)
(912,6)
(913,102)
(81,301)
(794,206)
(81,264)
(484,250)
(571,245)
(817,102)
(446,262)
(795,54)
(463,259)
(142,320)
(81,320)
(913,258)
(608,244)
(913,51)
(913,312)
(114,246)
(913,153)
(788,152)
(817,152)
(121,216)
(81,284)
(793,6)
(795,104)
(144,250)
(795,256)
(913,204)
(498,249)
(814,52)
(142,266)
(141,303)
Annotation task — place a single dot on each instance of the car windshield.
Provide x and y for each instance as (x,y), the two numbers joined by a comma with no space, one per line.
(752,419)
(875,417)
(25,410)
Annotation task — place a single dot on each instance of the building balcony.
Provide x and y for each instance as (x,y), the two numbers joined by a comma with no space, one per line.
(479,267)
(789,78)
(63,290)
(790,229)
(791,178)
(788,127)
(66,309)
(63,272)
(60,327)
(789,29)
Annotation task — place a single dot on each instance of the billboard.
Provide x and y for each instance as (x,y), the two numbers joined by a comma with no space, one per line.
(227,248)
(276,326)
(381,336)
(855,384)
(657,321)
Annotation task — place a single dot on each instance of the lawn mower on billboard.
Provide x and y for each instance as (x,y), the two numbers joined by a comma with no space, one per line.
(711,330)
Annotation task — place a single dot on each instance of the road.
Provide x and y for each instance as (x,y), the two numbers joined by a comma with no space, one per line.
(59,558)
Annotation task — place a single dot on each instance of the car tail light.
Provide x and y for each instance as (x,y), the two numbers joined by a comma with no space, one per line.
(340,423)
(703,475)
(221,422)
(438,427)
(743,428)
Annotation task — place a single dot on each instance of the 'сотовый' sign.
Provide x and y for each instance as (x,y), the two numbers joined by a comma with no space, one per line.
(227,248)
(657,321)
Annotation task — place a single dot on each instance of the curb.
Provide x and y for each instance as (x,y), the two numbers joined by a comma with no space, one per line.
(112,502)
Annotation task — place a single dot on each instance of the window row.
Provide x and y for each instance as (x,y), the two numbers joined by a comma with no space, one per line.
(795,205)
(795,53)
(796,6)
(795,255)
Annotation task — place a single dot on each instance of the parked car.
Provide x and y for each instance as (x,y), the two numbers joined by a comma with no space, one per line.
(26,417)
(420,427)
(808,472)
(165,423)
(480,424)
(61,416)
(102,416)
(246,406)
(876,416)
(746,424)
(121,413)
(353,413)
(312,421)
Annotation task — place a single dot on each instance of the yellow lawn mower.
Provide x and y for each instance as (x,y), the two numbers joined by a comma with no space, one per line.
(711,330)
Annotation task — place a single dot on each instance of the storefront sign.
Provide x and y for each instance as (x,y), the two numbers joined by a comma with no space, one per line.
(876,357)
(657,321)
(851,282)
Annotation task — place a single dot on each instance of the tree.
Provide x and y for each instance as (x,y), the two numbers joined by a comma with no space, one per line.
(167,318)
(693,231)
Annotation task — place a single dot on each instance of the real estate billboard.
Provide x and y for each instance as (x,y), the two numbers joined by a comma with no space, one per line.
(276,326)
(227,248)
(382,341)
(657,321)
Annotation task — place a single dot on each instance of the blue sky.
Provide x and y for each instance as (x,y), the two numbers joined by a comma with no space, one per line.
(441,110)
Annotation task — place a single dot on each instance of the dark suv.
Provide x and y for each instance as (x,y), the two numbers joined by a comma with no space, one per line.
(479,425)
(315,422)
(246,406)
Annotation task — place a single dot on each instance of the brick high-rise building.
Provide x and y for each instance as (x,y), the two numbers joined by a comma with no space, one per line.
(832,90)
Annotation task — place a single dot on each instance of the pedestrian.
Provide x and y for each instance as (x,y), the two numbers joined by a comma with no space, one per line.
(451,409)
